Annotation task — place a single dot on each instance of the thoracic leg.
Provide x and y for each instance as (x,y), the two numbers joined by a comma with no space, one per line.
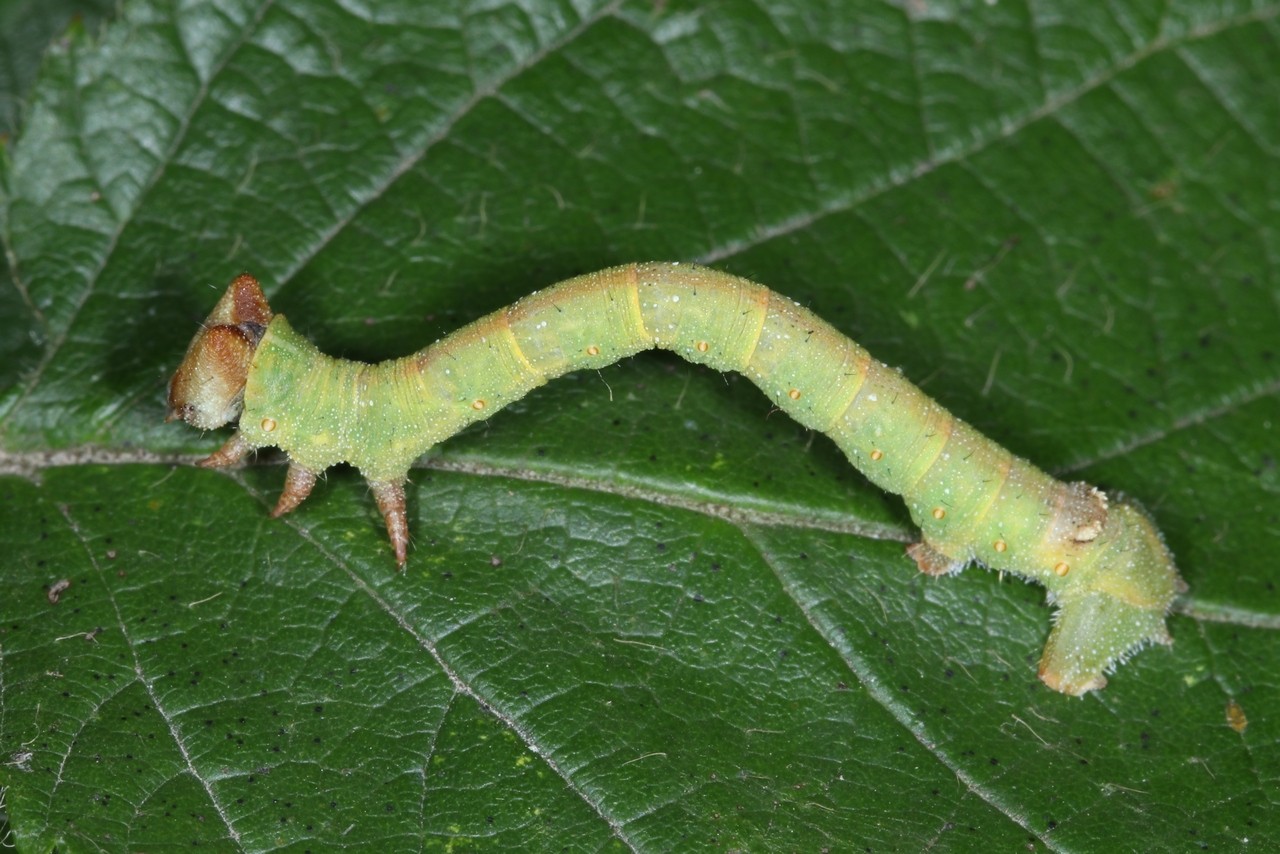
(233,451)
(297,486)
(390,498)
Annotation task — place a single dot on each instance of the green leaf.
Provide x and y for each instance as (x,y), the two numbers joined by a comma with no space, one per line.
(641,611)
(26,27)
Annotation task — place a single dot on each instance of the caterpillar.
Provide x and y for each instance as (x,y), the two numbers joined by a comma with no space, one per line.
(1104,564)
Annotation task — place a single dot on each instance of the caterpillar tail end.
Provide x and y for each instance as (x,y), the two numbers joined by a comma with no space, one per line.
(1114,610)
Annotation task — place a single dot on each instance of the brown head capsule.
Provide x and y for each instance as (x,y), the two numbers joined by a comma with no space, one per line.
(207,390)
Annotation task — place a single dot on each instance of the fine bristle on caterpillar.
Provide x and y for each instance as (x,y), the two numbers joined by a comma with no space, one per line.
(1103,562)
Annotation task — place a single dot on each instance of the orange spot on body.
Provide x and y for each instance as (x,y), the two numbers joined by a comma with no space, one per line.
(939,513)
(268,425)
(702,346)
(478,404)
(593,350)
(794,394)
(877,455)
(1000,545)
(1061,569)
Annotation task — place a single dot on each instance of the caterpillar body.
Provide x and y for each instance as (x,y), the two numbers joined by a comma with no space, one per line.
(1103,562)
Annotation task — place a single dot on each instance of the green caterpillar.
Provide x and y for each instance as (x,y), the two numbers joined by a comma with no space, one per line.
(1103,562)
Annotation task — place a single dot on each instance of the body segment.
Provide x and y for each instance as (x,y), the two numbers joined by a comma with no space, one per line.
(1103,563)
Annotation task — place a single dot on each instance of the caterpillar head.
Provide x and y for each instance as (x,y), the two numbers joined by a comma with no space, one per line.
(207,390)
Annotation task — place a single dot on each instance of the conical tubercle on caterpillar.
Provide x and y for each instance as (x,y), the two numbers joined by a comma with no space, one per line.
(1101,558)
